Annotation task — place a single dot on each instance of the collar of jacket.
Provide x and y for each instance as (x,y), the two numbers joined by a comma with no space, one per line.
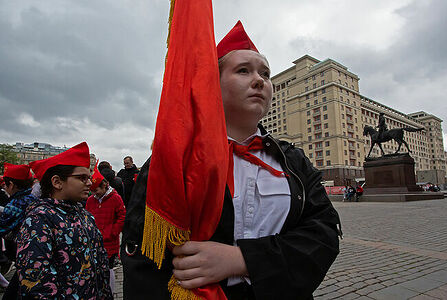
(21,193)
(65,206)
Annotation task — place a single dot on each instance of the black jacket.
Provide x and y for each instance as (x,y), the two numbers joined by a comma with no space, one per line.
(288,265)
(128,178)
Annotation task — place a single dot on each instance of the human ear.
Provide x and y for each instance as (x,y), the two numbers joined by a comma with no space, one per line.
(56,181)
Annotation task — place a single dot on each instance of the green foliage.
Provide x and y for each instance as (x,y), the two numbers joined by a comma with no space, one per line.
(7,155)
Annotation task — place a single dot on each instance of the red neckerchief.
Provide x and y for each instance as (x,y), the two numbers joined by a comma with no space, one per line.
(243,152)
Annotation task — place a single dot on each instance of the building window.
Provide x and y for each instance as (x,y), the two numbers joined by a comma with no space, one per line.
(326,125)
(322,82)
(308,121)
(322,74)
(323,91)
(316,101)
(326,134)
(328,152)
(313,77)
(324,99)
(309,129)
(308,112)
(315,94)
(310,155)
(307,104)
(325,117)
(327,143)
(310,146)
(306,88)
(315,85)
(346,152)
(328,162)
(324,107)
(284,127)
(309,138)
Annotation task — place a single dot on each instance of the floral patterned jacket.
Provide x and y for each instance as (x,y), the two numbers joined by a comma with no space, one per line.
(60,253)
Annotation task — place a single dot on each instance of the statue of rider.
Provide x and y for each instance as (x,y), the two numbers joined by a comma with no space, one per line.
(382,125)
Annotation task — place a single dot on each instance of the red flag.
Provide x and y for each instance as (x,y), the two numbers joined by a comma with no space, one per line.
(189,161)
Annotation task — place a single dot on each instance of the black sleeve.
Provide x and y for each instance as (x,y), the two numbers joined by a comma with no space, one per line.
(293,264)
(141,275)
(135,209)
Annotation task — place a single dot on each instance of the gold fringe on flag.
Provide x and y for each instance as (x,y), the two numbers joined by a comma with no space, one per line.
(179,293)
(171,13)
(158,231)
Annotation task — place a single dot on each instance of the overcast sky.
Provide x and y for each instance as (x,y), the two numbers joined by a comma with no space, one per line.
(91,70)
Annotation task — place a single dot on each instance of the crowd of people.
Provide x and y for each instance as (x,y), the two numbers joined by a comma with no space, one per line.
(60,226)
(278,232)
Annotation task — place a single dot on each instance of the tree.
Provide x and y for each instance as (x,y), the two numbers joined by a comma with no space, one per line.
(8,155)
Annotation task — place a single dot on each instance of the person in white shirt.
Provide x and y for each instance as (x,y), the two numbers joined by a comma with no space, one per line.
(278,231)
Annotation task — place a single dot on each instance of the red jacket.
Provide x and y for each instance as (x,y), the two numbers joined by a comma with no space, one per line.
(109,217)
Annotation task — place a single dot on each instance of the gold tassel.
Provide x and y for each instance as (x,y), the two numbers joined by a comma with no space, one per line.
(179,293)
(158,231)
(171,14)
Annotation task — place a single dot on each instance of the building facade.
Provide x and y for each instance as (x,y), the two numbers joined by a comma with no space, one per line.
(317,105)
(36,151)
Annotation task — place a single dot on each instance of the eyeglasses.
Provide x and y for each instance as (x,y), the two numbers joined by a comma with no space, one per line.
(82,177)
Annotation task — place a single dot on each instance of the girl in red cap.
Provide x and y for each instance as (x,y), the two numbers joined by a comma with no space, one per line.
(278,231)
(18,181)
(60,251)
(108,209)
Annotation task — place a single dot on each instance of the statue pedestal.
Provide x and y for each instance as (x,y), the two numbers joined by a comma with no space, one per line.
(391,178)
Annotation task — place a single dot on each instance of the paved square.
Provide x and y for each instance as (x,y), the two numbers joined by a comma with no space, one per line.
(389,251)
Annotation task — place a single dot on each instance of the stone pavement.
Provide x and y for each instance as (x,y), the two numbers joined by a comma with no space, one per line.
(389,251)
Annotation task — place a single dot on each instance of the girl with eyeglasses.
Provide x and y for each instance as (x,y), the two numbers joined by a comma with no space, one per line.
(60,251)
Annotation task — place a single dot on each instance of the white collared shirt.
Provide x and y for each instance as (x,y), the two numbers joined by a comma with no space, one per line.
(261,200)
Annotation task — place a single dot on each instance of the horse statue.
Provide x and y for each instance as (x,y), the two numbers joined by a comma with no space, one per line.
(396,134)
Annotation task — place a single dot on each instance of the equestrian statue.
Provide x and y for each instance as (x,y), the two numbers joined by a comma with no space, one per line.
(385,135)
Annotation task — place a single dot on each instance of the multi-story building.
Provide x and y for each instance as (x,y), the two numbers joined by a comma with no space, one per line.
(434,138)
(317,106)
(36,151)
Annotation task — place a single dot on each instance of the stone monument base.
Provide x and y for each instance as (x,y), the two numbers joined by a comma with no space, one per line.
(391,178)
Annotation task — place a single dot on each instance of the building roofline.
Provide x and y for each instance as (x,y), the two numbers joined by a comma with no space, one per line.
(282,72)
(427,115)
(306,56)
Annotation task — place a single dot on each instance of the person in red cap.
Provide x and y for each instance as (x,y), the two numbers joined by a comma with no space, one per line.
(107,206)
(278,231)
(18,182)
(60,252)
